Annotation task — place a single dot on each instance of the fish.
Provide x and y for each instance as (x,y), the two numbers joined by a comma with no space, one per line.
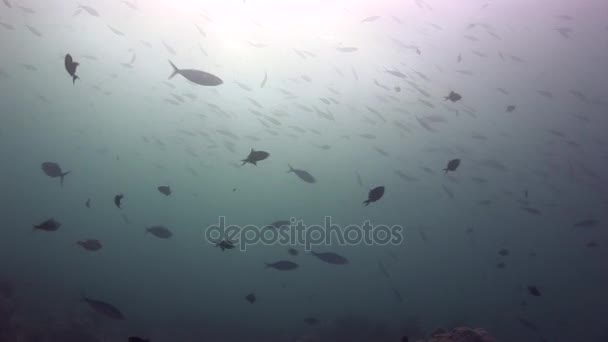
(510,108)
(452,165)
(279,224)
(90,244)
(370,19)
(531,210)
(34,31)
(503,252)
(115,31)
(117,200)
(331,258)
(534,291)
(87,203)
(447,191)
(395,73)
(383,269)
(282,265)
(70,67)
(347,49)
(397,295)
(49,225)
(311,320)
(136,338)
(250,298)
(303,175)
(53,170)
(359,181)
(527,324)
(292,251)
(224,244)
(453,96)
(165,190)
(103,308)
(587,223)
(196,76)
(264,80)
(255,156)
(7,3)
(89,10)
(159,231)
(374,195)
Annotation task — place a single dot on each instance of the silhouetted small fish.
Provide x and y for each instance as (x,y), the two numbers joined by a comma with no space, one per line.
(250,298)
(370,19)
(160,231)
(7,3)
(347,49)
(87,203)
(49,225)
(292,251)
(374,195)
(383,269)
(587,223)
(135,338)
(117,200)
(279,224)
(331,258)
(311,320)
(531,210)
(255,156)
(503,252)
(90,245)
(510,108)
(70,67)
(225,244)
(104,309)
(501,265)
(303,175)
(264,80)
(53,170)
(452,165)
(453,96)
(282,265)
(397,88)
(196,76)
(591,244)
(89,10)
(533,290)
(165,190)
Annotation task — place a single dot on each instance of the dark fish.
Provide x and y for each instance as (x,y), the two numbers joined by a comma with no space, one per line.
(374,195)
(104,309)
(534,291)
(510,108)
(117,200)
(591,244)
(165,190)
(527,324)
(453,96)
(90,245)
(264,80)
(196,76)
(452,165)
(503,252)
(383,269)
(87,203)
(531,210)
(282,265)
(370,19)
(587,223)
(7,3)
(255,156)
(135,338)
(53,170)
(250,298)
(224,244)
(292,251)
(303,175)
(160,231)
(311,320)
(49,225)
(70,67)
(89,10)
(347,49)
(397,88)
(331,258)
(501,265)
(279,224)
(397,295)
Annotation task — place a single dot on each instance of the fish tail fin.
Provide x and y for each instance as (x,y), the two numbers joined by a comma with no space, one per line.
(175,70)
(446,170)
(61,177)
(74,78)
(244,162)
(290,169)
(366,203)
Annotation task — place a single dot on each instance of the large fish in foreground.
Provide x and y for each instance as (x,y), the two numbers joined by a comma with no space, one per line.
(70,67)
(196,76)
(53,170)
